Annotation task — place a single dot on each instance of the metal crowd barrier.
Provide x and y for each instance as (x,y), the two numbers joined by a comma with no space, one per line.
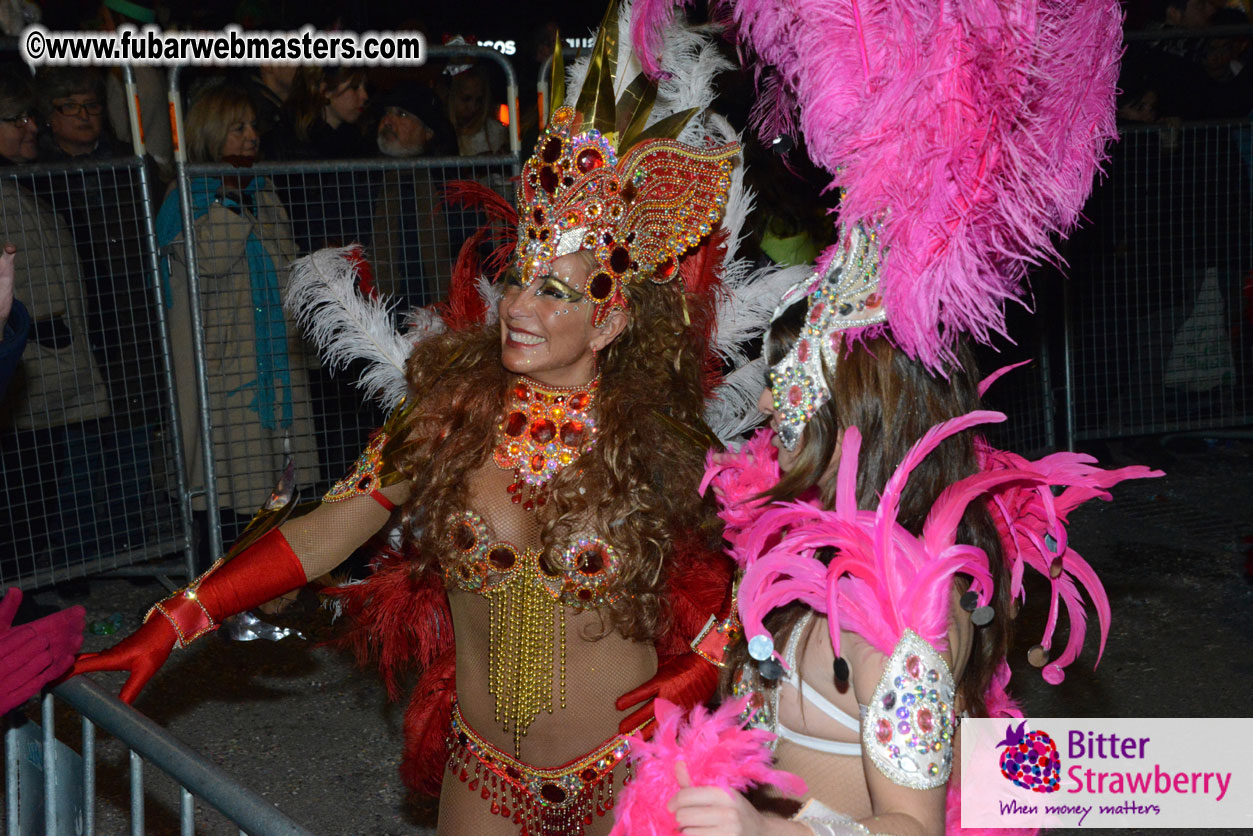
(50,789)
(1159,336)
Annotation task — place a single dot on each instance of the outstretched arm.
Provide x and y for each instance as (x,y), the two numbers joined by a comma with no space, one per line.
(280,561)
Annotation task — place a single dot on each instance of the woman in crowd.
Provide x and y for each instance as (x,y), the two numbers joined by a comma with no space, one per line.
(470,111)
(255,361)
(544,467)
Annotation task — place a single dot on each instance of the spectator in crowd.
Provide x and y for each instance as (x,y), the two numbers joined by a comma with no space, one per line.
(14,321)
(255,361)
(51,450)
(269,86)
(322,123)
(102,200)
(34,654)
(71,100)
(151,87)
(470,111)
(412,254)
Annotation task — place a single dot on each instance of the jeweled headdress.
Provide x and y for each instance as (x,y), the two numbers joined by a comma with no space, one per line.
(600,180)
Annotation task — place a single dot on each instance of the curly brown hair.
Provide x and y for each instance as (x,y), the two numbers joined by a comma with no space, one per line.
(644,467)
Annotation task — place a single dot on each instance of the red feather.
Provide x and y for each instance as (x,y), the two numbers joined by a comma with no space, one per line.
(427,723)
(698,586)
(399,618)
(501,227)
(464,307)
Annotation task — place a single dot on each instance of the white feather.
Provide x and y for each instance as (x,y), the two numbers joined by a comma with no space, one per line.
(490,294)
(732,411)
(322,298)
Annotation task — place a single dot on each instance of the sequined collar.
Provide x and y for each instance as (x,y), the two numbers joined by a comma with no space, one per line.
(544,428)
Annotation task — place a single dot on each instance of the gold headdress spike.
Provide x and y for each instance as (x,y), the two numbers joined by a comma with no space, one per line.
(603,180)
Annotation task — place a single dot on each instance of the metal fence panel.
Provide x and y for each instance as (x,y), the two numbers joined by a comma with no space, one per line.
(1159,318)
(268,395)
(145,742)
(86,482)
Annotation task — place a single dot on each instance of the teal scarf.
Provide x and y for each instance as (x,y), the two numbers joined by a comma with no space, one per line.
(272,384)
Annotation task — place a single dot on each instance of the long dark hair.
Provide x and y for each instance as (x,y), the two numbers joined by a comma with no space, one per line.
(893,401)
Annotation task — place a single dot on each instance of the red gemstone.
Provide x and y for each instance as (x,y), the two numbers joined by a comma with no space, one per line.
(802,350)
(537,462)
(883,731)
(548,180)
(584,594)
(578,401)
(529,505)
(515,424)
(522,392)
(588,775)
(814,312)
(794,395)
(873,301)
(590,561)
(543,431)
(572,433)
(495,808)
(538,215)
(600,287)
(552,793)
(628,192)
(513,772)
(502,558)
(665,270)
(924,720)
(463,537)
(552,150)
(620,260)
(589,159)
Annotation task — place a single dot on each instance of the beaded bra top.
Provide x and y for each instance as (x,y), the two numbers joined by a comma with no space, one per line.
(581,575)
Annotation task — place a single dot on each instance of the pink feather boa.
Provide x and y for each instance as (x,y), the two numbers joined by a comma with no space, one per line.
(718,752)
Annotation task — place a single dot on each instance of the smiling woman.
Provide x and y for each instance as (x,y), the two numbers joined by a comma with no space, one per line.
(554,551)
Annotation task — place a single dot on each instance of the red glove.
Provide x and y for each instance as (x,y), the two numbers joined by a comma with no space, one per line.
(263,571)
(34,654)
(686,680)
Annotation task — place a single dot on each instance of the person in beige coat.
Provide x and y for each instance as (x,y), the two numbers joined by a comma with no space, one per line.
(52,473)
(259,403)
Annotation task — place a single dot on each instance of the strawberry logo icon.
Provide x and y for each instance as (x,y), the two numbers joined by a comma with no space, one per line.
(1030,759)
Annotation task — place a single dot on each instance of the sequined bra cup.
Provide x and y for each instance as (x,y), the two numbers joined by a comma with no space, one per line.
(582,575)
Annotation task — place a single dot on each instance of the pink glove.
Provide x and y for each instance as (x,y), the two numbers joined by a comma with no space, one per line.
(34,654)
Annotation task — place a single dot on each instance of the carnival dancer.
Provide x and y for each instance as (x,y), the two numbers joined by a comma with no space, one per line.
(544,465)
(883,543)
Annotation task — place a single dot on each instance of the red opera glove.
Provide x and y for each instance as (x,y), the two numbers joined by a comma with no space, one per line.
(263,571)
(34,654)
(685,680)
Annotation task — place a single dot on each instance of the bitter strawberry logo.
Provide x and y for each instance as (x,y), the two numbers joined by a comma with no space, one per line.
(1030,759)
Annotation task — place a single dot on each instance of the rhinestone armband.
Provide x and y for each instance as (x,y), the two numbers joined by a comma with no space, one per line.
(823,821)
(909,725)
(186,613)
(715,637)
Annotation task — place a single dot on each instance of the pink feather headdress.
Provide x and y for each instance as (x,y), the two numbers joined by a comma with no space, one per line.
(966,133)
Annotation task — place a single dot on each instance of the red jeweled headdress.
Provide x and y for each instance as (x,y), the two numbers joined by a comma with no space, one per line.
(600,180)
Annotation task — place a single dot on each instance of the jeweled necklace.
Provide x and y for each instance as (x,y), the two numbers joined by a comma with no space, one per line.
(544,429)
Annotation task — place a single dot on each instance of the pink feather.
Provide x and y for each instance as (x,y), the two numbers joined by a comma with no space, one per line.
(969,132)
(737,477)
(717,751)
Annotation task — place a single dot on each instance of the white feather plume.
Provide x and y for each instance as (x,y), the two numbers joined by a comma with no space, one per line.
(322,298)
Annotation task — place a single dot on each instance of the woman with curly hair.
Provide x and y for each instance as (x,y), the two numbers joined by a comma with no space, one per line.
(544,470)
